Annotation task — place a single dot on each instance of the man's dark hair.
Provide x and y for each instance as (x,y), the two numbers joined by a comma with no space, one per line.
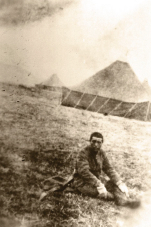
(96,134)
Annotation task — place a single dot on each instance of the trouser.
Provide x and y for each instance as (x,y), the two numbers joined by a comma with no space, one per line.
(91,191)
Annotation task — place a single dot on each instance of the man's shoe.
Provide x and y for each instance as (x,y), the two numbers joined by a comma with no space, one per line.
(133,204)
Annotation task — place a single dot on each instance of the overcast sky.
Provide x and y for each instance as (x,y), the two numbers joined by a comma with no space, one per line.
(82,39)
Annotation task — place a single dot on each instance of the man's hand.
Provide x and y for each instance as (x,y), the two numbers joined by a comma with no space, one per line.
(123,188)
(102,191)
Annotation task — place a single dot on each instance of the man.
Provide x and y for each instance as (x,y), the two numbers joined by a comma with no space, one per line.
(91,161)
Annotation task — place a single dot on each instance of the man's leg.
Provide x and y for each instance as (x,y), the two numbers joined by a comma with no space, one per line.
(120,197)
(88,190)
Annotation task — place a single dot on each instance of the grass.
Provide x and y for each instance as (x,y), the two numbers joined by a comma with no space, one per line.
(40,138)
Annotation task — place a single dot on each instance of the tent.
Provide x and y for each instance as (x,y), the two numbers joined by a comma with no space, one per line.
(114,90)
(117,81)
(53,83)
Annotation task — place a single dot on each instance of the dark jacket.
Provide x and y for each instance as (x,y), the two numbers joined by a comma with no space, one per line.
(90,166)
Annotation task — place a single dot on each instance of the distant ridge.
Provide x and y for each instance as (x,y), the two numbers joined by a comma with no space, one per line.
(117,81)
(53,81)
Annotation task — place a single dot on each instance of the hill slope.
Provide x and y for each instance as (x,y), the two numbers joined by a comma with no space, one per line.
(117,81)
(40,139)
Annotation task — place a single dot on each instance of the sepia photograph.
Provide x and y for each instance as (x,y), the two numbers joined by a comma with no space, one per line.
(75,113)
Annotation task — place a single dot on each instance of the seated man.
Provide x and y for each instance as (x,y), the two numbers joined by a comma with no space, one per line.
(91,161)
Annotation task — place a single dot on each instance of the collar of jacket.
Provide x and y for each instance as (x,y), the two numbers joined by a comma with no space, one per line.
(92,153)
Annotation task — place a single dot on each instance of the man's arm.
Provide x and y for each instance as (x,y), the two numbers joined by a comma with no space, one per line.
(108,169)
(112,174)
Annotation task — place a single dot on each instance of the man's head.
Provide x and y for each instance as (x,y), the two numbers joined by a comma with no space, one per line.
(96,140)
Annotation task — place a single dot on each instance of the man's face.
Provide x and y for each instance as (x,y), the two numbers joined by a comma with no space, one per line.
(96,144)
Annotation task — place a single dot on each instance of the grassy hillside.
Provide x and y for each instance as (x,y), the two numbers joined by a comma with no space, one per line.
(39,138)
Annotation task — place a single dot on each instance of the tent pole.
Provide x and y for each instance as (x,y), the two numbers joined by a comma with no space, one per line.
(103,104)
(79,100)
(91,102)
(147,111)
(130,109)
(66,96)
(115,108)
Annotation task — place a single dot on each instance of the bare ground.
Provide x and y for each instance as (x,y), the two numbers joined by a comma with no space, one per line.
(40,138)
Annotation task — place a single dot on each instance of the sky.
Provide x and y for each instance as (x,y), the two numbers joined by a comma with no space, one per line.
(80,40)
